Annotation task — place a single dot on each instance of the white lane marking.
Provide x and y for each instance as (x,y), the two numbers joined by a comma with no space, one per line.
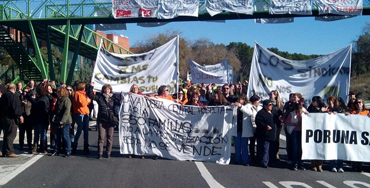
(325,184)
(282,137)
(269,184)
(207,176)
(23,167)
(366,174)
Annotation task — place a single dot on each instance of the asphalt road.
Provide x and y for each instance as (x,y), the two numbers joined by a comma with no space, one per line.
(120,171)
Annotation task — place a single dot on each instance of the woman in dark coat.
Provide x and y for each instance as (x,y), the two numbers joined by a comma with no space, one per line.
(107,117)
(62,121)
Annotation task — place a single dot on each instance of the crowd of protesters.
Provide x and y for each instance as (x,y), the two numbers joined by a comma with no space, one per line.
(35,108)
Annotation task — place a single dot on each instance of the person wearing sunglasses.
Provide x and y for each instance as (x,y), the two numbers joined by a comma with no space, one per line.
(266,134)
(360,109)
(163,93)
(226,92)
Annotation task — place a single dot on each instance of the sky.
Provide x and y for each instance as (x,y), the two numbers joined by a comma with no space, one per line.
(304,35)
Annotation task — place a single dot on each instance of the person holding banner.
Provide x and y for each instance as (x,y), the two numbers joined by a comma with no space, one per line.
(181,97)
(339,107)
(226,92)
(265,134)
(195,100)
(135,89)
(255,108)
(218,100)
(277,112)
(107,117)
(360,109)
(317,106)
(245,129)
(163,93)
(294,128)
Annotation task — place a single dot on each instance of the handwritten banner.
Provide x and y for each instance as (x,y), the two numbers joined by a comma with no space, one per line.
(173,8)
(218,73)
(330,137)
(340,7)
(325,76)
(238,6)
(300,7)
(150,126)
(148,70)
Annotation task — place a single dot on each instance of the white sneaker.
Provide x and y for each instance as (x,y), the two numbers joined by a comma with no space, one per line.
(334,170)
(341,170)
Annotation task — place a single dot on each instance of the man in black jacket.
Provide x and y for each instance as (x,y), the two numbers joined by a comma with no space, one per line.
(265,133)
(11,112)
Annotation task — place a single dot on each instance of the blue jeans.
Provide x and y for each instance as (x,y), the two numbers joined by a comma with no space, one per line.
(263,147)
(82,122)
(297,148)
(58,138)
(40,130)
(339,163)
(241,147)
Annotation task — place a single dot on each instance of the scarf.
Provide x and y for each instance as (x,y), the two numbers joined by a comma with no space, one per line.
(107,96)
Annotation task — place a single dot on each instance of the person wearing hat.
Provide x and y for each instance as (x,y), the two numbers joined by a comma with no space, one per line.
(265,134)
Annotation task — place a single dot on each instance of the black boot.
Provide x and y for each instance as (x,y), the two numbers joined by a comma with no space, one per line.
(44,148)
(74,149)
(86,149)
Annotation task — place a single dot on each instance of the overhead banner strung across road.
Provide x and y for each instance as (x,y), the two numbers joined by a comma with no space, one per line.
(325,76)
(148,70)
(173,9)
(150,126)
(342,7)
(134,8)
(217,6)
(330,137)
(300,7)
(218,73)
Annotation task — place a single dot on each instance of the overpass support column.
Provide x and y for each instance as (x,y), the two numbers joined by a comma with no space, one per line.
(50,55)
(63,72)
(38,51)
(75,55)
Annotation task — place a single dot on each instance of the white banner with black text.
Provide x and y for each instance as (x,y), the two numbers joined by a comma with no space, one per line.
(325,76)
(148,70)
(218,73)
(330,137)
(150,126)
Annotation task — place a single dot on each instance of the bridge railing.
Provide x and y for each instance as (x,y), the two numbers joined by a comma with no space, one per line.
(55,9)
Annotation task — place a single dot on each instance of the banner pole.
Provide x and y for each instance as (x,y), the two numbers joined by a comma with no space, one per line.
(177,66)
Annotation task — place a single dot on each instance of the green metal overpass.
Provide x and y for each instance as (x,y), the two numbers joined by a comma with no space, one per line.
(62,23)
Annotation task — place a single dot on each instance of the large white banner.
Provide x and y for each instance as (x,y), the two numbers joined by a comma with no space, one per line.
(342,7)
(325,76)
(238,6)
(148,70)
(150,126)
(301,7)
(134,8)
(218,73)
(329,137)
(169,9)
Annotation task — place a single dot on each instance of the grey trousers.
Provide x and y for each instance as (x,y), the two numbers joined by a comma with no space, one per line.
(105,130)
